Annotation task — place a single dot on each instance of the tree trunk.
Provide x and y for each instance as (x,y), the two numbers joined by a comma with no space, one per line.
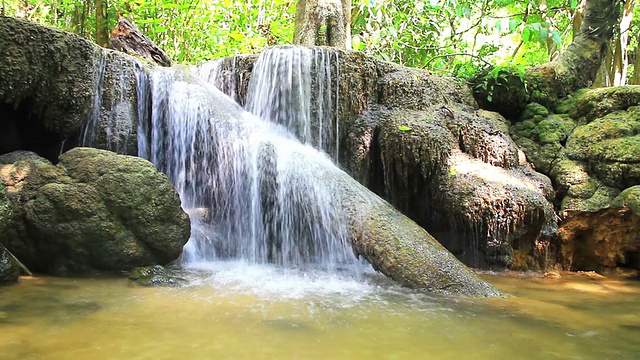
(635,80)
(508,93)
(620,59)
(323,22)
(102,33)
(577,18)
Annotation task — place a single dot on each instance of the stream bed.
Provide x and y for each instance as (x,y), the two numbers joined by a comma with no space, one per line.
(233,310)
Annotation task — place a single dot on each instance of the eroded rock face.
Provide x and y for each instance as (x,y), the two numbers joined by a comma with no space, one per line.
(50,79)
(600,240)
(95,210)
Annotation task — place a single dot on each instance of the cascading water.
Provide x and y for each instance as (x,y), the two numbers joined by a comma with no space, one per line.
(293,86)
(253,190)
(121,100)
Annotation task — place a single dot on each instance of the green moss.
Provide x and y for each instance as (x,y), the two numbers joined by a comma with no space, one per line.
(534,109)
(629,197)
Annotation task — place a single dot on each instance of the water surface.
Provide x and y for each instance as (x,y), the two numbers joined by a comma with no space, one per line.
(233,310)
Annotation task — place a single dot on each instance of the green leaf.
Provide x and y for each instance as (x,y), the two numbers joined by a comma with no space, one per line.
(237,35)
(555,35)
(403,128)
(513,24)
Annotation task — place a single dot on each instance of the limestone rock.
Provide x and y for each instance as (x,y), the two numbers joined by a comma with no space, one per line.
(95,210)
(611,145)
(600,240)
(597,103)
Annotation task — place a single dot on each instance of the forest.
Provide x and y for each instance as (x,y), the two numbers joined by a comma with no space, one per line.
(451,37)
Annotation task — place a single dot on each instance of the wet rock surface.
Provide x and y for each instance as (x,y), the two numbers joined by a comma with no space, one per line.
(156,276)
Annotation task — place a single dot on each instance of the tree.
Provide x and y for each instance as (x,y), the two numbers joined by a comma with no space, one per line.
(323,22)
(508,92)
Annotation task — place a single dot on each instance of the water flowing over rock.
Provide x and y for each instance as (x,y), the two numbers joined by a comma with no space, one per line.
(269,198)
(254,191)
(417,140)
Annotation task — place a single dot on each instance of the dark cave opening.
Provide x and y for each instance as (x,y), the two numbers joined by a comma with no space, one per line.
(23,129)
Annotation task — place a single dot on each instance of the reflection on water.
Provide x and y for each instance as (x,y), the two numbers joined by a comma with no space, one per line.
(239,311)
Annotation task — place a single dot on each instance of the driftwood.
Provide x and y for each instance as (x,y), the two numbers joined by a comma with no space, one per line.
(20,264)
(129,40)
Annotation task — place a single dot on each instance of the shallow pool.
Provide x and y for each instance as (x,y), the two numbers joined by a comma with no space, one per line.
(240,311)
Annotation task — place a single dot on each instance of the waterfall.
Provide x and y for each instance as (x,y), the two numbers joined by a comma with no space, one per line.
(253,191)
(121,88)
(293,86)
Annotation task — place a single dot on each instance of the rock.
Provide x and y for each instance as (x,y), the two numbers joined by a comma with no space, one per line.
(600,240)
(9,269)
(629,197)
(57,85)
(597,103)
(457,173)
(6,212)
(94,211)
(155,276)
(611,145)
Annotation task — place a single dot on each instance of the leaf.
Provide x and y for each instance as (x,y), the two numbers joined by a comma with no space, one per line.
(236,35)
(452,170)
(555,35)
(514,23)
(403,128)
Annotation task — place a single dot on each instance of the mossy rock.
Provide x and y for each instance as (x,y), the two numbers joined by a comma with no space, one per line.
(611,145)
(50,69)
(145,271)
(9,268)
(532,110)
(96,210)
(597,103)
(629,197)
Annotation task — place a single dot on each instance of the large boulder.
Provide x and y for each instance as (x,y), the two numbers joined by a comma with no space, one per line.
(95,210)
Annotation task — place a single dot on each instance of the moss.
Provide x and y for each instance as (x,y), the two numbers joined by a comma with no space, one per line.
(51,70)
(597,103)
(629,197)
(532,110)
(612,146)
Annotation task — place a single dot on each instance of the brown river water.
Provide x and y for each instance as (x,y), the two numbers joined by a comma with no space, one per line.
(239,311)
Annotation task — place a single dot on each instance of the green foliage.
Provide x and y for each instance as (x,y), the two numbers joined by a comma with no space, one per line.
(461,36)
(188,30)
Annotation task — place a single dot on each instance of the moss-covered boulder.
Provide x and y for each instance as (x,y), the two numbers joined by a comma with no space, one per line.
(95,210)
(629,197)
(611,147)
(596,103)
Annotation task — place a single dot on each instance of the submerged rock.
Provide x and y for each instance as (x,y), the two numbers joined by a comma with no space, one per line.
(155,276)
(95,210)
